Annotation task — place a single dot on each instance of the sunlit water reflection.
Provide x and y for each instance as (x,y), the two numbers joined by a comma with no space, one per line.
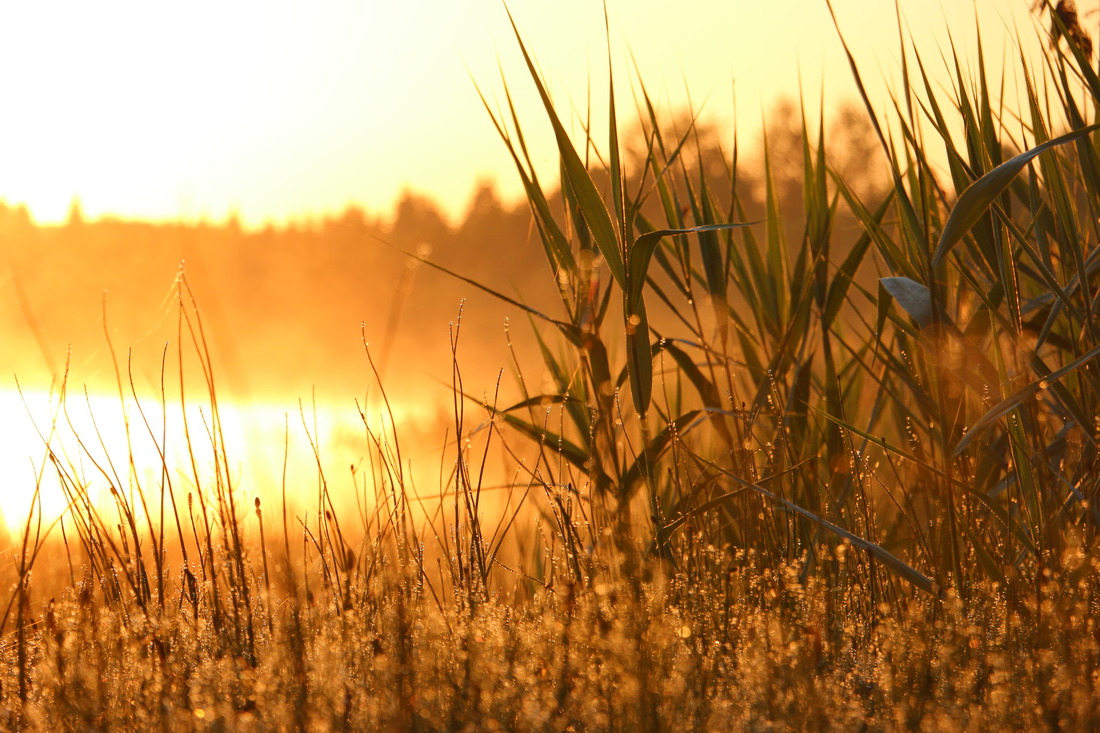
(258,449)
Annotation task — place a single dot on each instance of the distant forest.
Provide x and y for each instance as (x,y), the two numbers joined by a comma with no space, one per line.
(282,307)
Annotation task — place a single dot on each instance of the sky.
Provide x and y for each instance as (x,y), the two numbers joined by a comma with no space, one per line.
(276,111)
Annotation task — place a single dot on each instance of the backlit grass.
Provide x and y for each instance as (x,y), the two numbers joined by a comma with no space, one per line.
(776,473)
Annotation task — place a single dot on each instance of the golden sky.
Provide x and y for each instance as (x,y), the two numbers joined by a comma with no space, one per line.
(284,110)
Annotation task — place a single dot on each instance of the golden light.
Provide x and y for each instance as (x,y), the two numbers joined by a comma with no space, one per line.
(278,113)
(88,444)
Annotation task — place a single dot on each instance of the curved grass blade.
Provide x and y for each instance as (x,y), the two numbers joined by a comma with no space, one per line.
(887,558)
(978,196)
(568,330)
(639,351)
(987,501)
(1009,404)
(641,252)
(553,239)
(573,453)
(643,466)
(708,392)
(588,198)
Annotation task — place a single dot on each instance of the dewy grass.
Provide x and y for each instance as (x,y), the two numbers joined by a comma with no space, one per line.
(781,473)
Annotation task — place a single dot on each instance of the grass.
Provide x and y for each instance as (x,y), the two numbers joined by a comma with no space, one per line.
(786,477)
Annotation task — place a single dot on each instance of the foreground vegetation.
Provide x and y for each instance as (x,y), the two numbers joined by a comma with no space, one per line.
(776,479)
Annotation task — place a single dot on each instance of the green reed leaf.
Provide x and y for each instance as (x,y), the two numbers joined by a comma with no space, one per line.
(978,196)
(587,196)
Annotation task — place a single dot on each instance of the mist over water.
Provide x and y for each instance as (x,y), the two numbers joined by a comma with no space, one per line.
(91,442)
(293,331)
(274,323)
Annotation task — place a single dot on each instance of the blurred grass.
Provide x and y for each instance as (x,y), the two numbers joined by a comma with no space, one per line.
(774,476)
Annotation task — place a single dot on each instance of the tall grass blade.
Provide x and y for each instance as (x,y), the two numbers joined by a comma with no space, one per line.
(890,560)
(591,205)
(1010,403)
(977,197)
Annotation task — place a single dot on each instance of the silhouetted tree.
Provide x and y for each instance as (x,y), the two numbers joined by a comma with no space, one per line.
(417,219)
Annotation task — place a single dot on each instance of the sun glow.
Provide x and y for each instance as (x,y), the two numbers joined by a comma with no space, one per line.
(89,445)
(274,112)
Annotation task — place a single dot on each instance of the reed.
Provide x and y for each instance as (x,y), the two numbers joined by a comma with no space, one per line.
(833,467)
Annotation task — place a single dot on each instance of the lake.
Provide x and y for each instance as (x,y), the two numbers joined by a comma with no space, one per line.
(96,441)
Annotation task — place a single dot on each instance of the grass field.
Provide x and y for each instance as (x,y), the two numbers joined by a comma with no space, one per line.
(770,477)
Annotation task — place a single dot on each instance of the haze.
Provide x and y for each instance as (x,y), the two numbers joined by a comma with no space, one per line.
(278,111)
(273,150)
